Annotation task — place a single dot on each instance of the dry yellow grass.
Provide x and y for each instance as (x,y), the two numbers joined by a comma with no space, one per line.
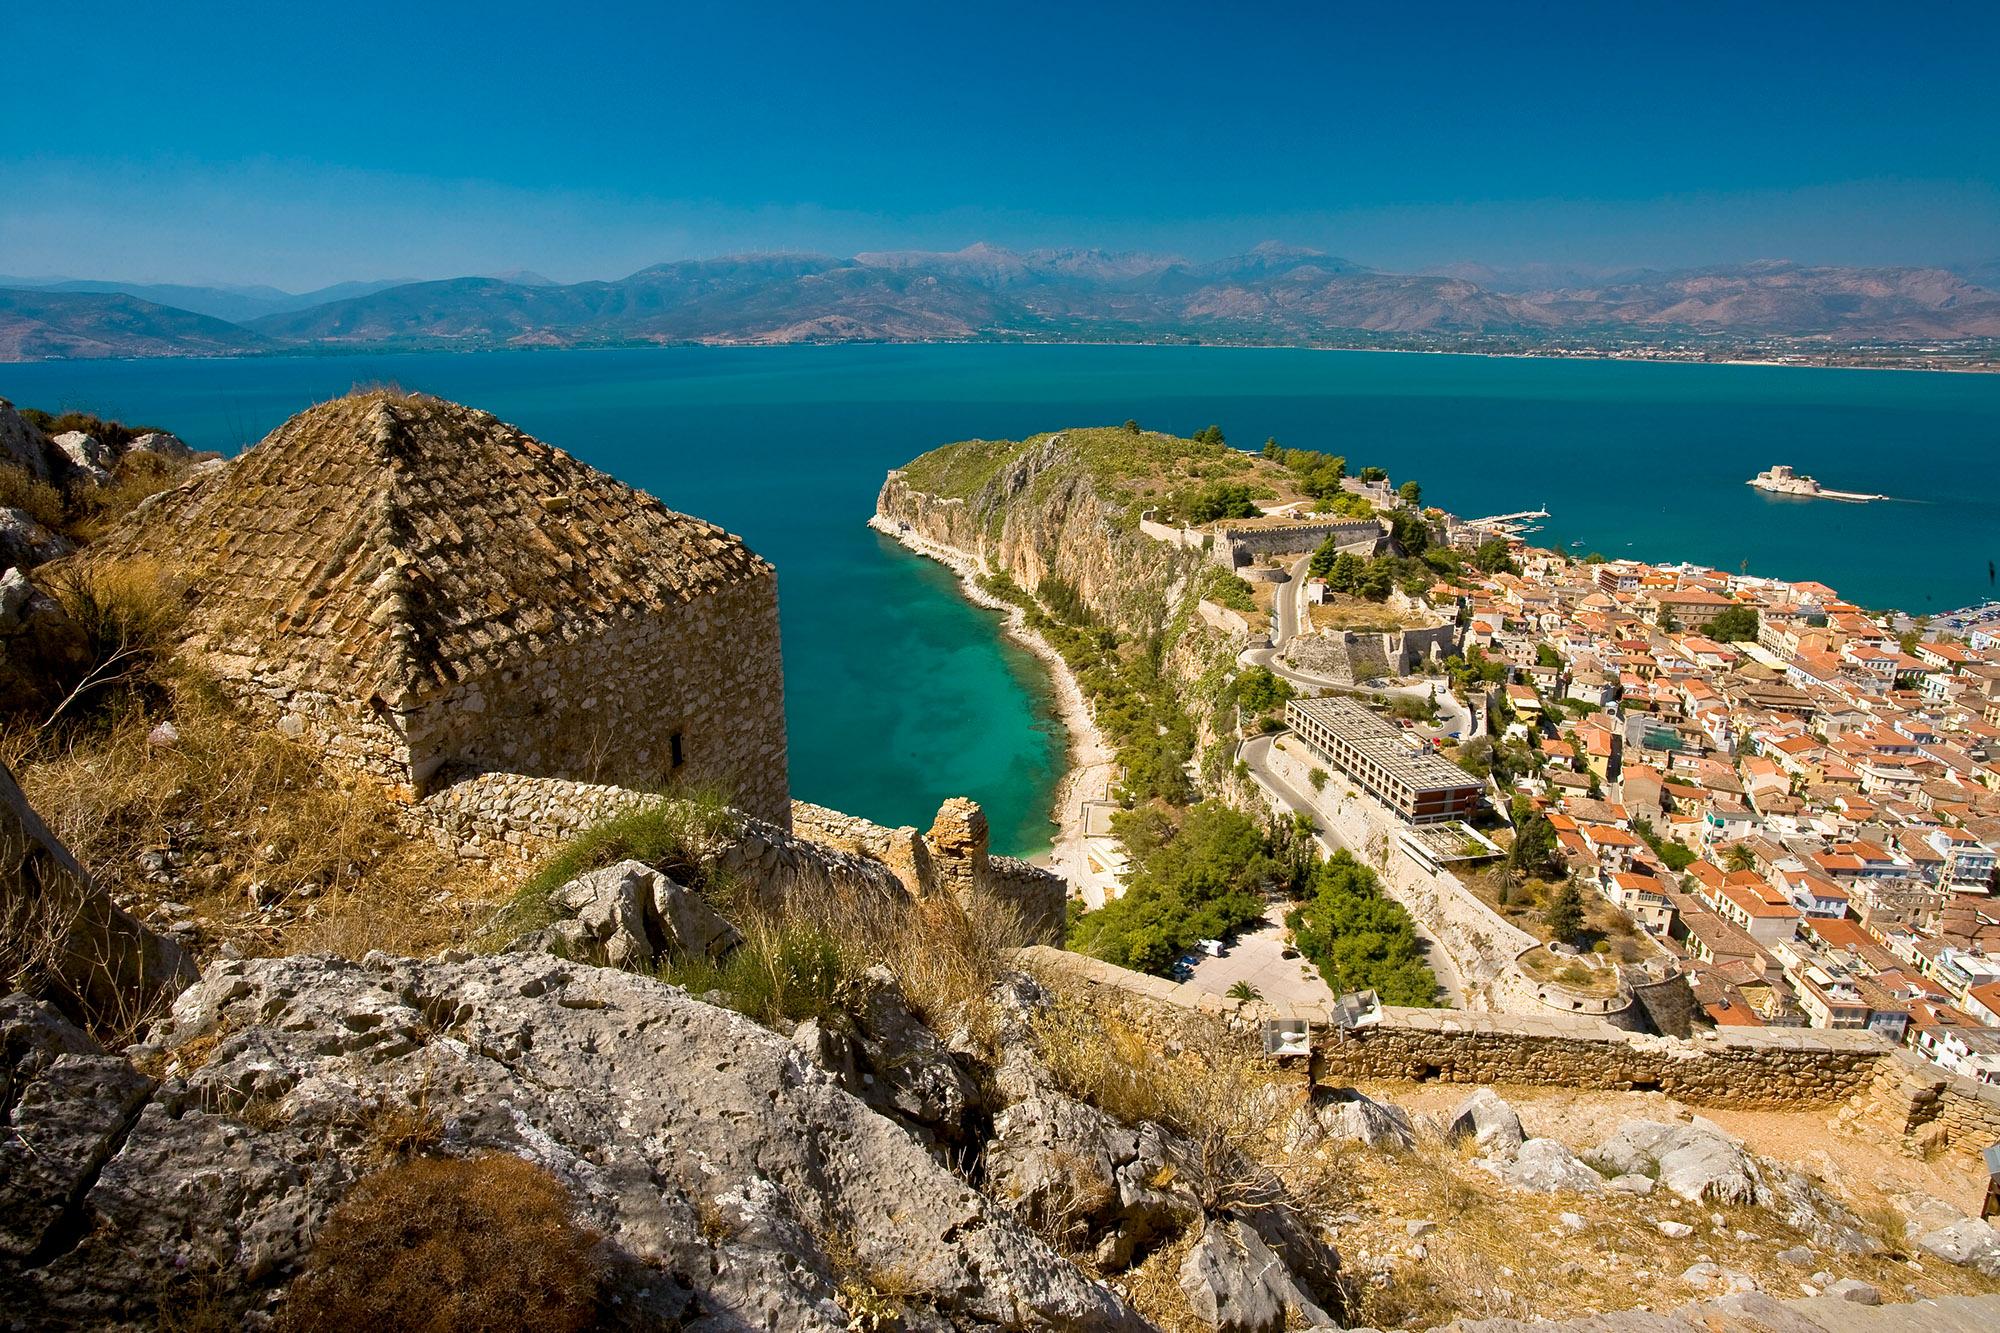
(231,803)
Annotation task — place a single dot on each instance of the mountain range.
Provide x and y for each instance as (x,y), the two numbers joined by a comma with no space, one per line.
(1273,294)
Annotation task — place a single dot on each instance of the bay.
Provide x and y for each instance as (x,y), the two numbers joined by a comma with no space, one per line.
(900,694)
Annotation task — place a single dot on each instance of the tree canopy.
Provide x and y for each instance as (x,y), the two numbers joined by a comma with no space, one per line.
(1734,625)
(1194,879)
(1358,938)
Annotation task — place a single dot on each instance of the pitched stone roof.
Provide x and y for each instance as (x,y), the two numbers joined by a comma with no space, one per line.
(395,544)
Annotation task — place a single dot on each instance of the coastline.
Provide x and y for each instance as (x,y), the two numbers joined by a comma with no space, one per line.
(1090,760)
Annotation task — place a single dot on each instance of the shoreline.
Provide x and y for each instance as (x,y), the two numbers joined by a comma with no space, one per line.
(1089,760)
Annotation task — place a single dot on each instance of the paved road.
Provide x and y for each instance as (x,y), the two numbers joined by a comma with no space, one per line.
(1256,755)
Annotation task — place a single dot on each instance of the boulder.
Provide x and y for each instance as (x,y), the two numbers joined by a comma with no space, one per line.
(1545,1167)
(610,907)
(88,457)
(1488,1121)
(684,921)
(728,1177)
(1715,1280)
(65,937)
(161,445)
(906,1069)
(1970,1243)
(22,443)
(1234,1283)
(1855,1290)
(26,543)
(1343,1113)
(1696,1161)
(1072,1171)
(67,1106)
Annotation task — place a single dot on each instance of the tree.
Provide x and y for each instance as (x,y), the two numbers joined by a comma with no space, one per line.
(1220,499)
(1373,474)
(1411,493)
(1565,913)
(1209,435)
(1741,857)
(1358,938)
(1131,426)
(1196,879)
(1272,449)
(1546,655)
(1734,625)
(1536,851)
(1493,557)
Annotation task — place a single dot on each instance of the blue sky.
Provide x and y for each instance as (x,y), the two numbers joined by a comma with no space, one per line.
(304,144)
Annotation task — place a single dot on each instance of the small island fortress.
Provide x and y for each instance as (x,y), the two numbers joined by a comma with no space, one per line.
(1779,479)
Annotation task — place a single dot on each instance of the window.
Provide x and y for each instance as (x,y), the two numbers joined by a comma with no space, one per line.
(679,752)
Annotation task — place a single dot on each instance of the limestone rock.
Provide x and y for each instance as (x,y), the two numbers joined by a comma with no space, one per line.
(685,922)
(1234,1283)
(1343,1113)
(1545,1167)
(1488,1121)
(22,443)
(1630,1183)
(83,952)
(162,445)
(908,1071)
(1713,1279)
(1697,1162)
(26,543)
(88,456)
(610,905)
(1855,1290)
(1971,1243)
(711,1157)
(1067,1167)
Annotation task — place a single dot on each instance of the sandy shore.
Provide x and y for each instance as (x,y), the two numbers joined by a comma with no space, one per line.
(1092,761)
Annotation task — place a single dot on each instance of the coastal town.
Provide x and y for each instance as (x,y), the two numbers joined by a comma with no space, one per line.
(1758,787)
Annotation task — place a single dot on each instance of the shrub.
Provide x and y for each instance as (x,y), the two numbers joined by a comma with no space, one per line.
(448,1246)
(1197,879)
(42,501)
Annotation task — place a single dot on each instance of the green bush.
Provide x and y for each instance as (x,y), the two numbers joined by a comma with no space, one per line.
(1359,939)
(1196,879)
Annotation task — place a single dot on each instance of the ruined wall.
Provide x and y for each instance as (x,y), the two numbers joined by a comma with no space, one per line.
(511,817)
(605,708)
(1924,1110)
(1748,1068)
(1349,658)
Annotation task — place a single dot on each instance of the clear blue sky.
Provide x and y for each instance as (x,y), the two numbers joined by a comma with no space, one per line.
(302,144)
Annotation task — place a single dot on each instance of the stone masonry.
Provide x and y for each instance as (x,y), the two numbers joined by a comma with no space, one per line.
(420,590)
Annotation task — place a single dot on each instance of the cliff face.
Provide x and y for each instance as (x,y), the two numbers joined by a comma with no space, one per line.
(1043,512)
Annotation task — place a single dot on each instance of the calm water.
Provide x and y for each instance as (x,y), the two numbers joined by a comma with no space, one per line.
(899,694)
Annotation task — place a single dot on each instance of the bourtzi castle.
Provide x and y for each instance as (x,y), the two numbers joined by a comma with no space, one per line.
(428,593)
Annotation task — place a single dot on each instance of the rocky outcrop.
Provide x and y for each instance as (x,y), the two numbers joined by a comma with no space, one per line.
(25,543)
(627,915)
(1696,1161)
(64,937)
(733,1183)
(22,443)
(1488,1121)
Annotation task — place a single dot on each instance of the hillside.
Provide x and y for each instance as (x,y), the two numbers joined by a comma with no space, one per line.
(40,325)
(1274,294)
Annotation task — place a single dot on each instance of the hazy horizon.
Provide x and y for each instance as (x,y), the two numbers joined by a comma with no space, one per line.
(298,152)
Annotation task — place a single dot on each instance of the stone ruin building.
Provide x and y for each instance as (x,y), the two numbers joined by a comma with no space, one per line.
(427,592)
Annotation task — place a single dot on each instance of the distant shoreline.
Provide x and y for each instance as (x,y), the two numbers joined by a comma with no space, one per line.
(1659,357)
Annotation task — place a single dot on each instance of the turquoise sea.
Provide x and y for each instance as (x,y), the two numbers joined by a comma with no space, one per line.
(899,694)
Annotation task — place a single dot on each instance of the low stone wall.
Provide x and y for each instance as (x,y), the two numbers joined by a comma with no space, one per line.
(1350,658)
(517,818)
(1227,619)
(1734,1067)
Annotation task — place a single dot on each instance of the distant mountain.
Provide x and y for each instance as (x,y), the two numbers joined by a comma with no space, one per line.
(1274,294)
(235,304)
(40,325)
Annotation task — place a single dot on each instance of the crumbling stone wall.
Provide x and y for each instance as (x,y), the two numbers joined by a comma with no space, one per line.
(1925,1110)
(607,707)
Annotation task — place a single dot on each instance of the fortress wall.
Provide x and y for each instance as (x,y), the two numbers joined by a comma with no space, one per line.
(1746,1068)
(1226,619)
(1240,546)
(518,818)
(1926,1110)
(606,707)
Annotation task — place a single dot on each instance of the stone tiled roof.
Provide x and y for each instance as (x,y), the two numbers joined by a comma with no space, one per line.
(394,544)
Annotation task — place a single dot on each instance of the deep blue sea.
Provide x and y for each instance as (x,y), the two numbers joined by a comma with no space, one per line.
(899,694)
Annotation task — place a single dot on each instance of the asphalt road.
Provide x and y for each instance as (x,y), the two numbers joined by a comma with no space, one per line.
(1256,755)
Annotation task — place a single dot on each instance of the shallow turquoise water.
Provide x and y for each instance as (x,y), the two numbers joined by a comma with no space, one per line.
(899,693)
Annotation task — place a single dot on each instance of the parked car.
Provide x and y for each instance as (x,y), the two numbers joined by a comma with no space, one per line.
(1213,948)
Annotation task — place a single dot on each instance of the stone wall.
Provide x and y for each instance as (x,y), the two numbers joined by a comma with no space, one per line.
(1735,1067)
(517,818)
(1350,658)
(1224,618)
(605,708)
(1925,1110)
(1241,546)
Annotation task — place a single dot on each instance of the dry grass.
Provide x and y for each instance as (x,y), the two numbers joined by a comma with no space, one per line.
(1153,1286)
(439,1245)
(231,803)
(19,490)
